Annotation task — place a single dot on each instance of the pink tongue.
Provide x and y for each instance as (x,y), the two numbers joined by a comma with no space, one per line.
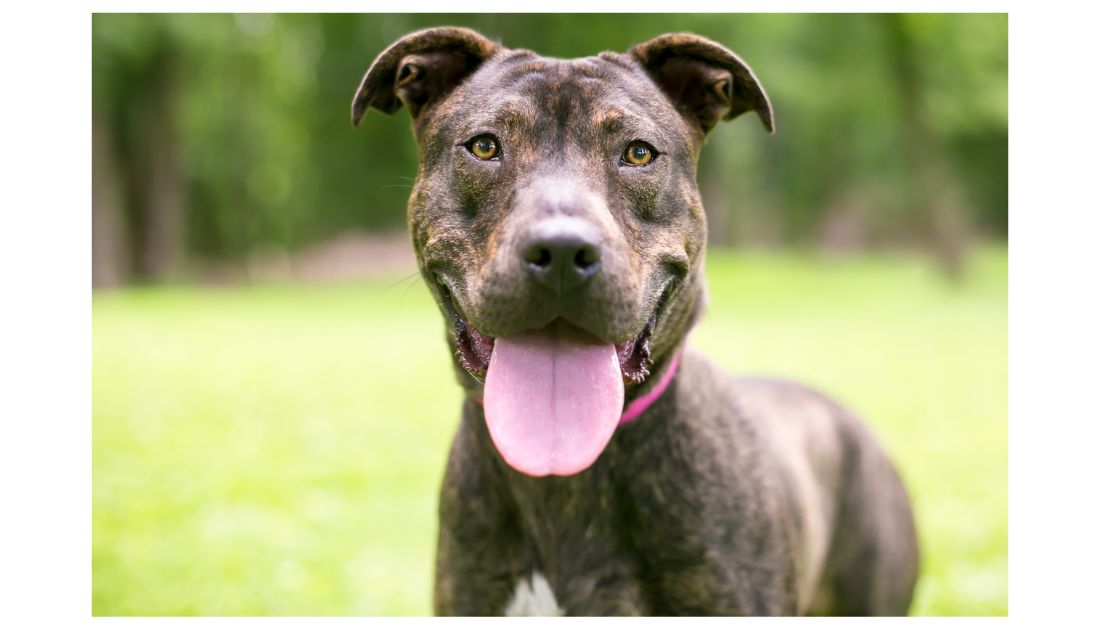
(552,399)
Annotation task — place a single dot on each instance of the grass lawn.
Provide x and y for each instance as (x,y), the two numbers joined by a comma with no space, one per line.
(277,450)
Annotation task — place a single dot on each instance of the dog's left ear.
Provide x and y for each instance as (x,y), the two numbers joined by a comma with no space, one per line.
(706,81)
(419,69)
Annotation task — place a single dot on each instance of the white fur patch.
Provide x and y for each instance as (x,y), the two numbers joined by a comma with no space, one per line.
(533,598)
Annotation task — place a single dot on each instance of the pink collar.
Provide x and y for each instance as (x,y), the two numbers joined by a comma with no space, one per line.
(639,405)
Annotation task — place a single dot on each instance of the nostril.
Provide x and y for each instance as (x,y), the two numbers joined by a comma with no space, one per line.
(587,258)
(538,256)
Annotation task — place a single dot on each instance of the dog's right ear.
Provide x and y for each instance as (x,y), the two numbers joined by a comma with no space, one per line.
(420,68)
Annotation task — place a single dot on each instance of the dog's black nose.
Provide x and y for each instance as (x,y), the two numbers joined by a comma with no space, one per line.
(561,252)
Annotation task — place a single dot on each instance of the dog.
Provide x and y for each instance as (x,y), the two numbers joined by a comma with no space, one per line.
(600,467)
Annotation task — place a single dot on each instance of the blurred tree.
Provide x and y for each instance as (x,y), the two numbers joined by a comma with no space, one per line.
(940,224)
(138,153)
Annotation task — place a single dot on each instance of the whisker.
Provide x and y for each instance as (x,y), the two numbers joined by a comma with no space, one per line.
(411,285)
(412,276)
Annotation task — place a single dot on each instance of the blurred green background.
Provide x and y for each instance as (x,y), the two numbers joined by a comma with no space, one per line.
(272,398)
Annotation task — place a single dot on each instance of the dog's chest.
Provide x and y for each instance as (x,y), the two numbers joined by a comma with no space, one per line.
(610,591)
(582,559)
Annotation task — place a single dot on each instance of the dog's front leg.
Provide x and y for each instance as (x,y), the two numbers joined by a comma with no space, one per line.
(483,579)
(480,557)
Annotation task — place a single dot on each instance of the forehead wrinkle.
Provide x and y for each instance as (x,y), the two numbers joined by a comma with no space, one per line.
(609,120)
(510,114)
(614,107)
(615,112)
(644,108)
(514,114)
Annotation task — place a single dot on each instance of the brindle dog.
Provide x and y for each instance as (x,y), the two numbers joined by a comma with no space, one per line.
(559,196)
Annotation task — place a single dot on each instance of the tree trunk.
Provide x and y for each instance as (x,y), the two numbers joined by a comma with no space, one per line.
(930,191)
(142,177)
(110,254)
(161,196)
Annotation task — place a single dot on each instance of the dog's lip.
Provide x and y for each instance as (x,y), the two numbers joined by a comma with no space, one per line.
(635,356)
(474,348)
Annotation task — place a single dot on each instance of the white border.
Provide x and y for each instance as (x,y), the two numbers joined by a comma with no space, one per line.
(45,337)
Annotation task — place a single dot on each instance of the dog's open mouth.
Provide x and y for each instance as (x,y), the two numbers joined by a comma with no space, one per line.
(554,396)
(475,349)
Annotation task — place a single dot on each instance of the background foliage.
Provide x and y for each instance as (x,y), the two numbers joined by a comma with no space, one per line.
(218,136)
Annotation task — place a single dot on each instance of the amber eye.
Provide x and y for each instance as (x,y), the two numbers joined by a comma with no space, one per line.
(639,153)
(484,147)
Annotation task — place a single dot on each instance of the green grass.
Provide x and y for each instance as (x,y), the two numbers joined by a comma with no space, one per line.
(278,450)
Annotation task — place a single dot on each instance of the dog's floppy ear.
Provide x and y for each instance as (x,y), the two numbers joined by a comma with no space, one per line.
(706,81)
(420,68)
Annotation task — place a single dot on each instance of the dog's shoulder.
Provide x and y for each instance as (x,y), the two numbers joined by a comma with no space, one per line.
(775,424)
(768,403)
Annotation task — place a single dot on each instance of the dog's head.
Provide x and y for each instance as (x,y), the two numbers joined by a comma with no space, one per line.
(556,217)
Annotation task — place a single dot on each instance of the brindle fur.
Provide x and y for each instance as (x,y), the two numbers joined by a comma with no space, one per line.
(727,496)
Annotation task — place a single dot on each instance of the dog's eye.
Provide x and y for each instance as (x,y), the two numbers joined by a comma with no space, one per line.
(484,147)
(639,153)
